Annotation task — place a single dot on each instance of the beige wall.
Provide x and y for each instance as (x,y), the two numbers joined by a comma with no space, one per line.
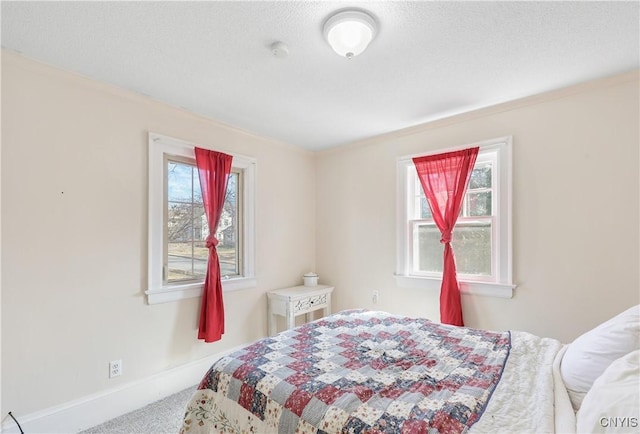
(74,221)
(575,211)
(74,236)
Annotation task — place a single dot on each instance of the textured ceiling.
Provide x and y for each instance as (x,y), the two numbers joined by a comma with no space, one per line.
(429,59)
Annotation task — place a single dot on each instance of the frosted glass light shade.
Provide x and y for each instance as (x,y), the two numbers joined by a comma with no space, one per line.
(349,32)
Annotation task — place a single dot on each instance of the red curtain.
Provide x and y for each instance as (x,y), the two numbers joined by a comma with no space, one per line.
(213,170)
(444,179)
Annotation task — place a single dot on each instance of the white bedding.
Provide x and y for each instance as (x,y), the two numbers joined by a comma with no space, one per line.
(565,417)
(525,399)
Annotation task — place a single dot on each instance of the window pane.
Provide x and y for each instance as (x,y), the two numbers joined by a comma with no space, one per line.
(179,221)
(197,192)
(421,207)
(179,182)
(227,233)
(471,245)
(430,249)
(472,248)
(479,204)
(200,225)
(183,221)
(200,260)
(425,209)
(481,176)
(179,261)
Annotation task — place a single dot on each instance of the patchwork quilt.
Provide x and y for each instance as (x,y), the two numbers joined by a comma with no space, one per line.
(355,371)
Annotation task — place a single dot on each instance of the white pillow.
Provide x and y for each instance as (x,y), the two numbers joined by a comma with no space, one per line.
(589,355)
(613,403)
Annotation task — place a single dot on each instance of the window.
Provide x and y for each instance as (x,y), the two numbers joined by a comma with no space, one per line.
(482,236)
(178,226)
(186,255)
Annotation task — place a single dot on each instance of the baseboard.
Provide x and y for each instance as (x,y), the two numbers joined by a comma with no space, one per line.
(92,410)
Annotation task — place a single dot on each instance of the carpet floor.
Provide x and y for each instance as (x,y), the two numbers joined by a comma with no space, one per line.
(163,416)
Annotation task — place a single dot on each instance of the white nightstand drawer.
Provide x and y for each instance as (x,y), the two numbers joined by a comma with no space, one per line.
(310,304)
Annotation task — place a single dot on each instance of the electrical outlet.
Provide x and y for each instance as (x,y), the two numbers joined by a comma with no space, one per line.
(375,296)
(115,368)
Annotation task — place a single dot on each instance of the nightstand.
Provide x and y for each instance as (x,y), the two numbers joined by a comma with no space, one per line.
(298,300)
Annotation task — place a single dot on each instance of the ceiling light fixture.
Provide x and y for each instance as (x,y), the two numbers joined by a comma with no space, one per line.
(349,32)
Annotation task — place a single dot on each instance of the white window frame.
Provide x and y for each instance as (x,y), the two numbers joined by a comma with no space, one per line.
(501,283)
(157,290)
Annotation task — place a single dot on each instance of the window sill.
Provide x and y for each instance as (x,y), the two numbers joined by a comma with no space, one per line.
(487,289)
(168,294)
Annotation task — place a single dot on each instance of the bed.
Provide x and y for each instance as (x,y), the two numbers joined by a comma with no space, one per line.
(370,371)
